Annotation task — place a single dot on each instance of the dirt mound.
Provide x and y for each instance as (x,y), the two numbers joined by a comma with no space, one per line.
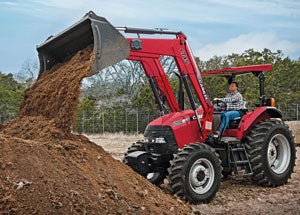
(47,170)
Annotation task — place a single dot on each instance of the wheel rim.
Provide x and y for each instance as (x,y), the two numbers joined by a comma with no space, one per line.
(279,153)
(201,176)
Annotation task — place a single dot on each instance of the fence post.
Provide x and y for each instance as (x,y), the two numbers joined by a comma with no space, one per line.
(93,122)
(83,121)
(297,112)
(137,121)
(114,121)
(126,121)
(102,113)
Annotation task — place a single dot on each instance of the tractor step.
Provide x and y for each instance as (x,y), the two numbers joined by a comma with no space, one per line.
(227,139)
(240,160)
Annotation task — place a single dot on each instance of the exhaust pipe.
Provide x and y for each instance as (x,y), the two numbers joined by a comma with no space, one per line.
(110,46)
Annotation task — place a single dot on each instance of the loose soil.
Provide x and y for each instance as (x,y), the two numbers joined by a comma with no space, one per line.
(45,169)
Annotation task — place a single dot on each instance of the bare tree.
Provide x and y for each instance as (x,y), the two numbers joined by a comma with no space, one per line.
(117,84)
(120,83)
(28,72)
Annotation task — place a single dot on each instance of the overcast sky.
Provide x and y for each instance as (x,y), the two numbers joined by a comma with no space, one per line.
(213,27)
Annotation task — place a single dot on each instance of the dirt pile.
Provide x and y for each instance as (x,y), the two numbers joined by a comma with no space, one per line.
(47,170)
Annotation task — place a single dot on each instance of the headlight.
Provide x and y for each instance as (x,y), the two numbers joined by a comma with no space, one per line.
(154,140)
(160,140)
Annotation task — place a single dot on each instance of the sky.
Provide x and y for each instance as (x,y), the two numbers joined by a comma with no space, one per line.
(213,27)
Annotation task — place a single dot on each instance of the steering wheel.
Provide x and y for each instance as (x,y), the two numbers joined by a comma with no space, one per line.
(219,105)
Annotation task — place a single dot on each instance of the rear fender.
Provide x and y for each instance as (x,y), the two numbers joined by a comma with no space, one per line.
(256,116)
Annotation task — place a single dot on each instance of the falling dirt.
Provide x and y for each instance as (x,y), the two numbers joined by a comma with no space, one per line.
(45,169)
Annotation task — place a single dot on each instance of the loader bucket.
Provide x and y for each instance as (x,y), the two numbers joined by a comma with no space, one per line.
(110,46)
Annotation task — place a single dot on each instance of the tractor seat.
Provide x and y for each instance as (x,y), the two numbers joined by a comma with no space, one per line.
(234,123)
(237,118)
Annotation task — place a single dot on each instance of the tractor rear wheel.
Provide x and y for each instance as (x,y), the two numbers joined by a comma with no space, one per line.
(272,152)
(195,173)
(156,177)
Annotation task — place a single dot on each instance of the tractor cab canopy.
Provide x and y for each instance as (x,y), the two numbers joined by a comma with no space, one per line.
(257,70)
(226,72)
(231,72)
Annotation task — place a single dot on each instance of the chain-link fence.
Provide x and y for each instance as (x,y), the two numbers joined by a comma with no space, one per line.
(290,112)
(110,120)
(135,121)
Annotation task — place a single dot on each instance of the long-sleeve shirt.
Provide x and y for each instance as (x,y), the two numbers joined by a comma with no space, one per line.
(234,101)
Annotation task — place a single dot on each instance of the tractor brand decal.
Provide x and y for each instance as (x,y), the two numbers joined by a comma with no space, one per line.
(180,122)
(195,117)
(184,56)
(186,120)
(202,85)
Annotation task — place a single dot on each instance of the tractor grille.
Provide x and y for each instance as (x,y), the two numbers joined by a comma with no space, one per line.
(154,133)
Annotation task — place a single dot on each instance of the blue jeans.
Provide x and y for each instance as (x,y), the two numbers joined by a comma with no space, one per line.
(225,117)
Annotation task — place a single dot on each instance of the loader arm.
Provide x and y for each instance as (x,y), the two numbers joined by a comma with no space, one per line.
(148,51)
(178,48)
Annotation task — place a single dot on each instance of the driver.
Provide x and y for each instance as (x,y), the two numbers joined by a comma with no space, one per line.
(234,102)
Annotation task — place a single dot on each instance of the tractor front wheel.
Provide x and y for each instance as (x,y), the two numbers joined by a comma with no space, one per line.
(195,173)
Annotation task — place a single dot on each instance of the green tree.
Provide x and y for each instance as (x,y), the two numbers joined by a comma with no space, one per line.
(10,96)
(87,105)
(281,83)
(216,87)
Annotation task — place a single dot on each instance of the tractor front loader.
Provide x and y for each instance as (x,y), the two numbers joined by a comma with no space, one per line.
(180,145)
(108,44)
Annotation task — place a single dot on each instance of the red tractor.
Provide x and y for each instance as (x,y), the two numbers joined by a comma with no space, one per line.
(180,145)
